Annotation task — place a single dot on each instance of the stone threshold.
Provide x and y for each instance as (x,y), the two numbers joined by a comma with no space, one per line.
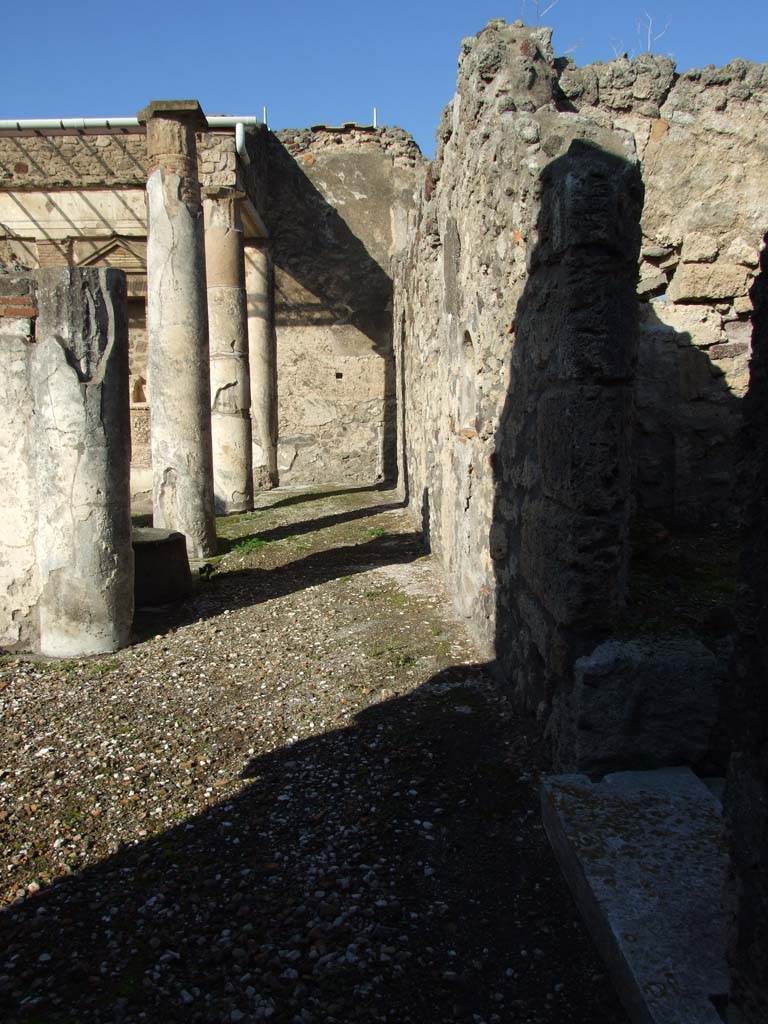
(645,858)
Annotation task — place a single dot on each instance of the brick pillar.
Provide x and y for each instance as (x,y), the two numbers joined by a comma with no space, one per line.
(54,253)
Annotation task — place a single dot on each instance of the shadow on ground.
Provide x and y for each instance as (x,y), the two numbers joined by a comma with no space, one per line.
(393,869)
(301,497)
(296,529)
(390,871)
(246,587)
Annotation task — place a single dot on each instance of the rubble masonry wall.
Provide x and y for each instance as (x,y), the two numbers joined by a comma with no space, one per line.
(516,340)
(702,142)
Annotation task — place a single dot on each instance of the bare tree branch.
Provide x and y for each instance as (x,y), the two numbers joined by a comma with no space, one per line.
(647,29)
(538,10)
(548,8)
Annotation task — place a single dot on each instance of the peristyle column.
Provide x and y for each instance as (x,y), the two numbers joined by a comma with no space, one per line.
(228,334)
(177,322)
(262,353)
(81,443)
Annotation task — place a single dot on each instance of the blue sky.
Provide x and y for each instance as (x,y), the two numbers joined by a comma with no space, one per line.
(318,62)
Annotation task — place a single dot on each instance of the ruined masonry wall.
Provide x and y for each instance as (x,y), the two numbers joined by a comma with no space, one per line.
(703,140)
(47,161)
(66,562)
(516,346)
(746,800)
(337,209)
(116,159)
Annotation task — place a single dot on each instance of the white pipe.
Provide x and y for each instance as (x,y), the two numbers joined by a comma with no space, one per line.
(42,124)
(63,123)
(36,124)
(242,152)
(231,122)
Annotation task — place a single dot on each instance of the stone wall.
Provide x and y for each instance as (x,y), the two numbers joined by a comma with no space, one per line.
(37,160)
(66,564)
(337,209)
(703,145)
(516,347)
(19,576)
(113,158)
(747,789)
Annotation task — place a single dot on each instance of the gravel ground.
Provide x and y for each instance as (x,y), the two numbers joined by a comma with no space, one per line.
(296,798)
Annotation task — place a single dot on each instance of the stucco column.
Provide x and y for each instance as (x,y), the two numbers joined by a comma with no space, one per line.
(177,322)
(228,333)
(262,351)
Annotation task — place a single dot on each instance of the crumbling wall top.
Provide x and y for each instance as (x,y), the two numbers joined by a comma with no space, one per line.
(396,142)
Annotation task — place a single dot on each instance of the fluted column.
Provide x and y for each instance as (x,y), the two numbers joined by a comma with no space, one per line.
(262,351)
(228,333)
(177,321)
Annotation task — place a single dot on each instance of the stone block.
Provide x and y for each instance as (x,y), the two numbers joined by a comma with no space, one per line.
(644,856)
(162,567)
(653,284)
(188,109)
(737,350)
(739,332)
(700,282)
(699,248)
(638,704)
(741,251)
(693,324)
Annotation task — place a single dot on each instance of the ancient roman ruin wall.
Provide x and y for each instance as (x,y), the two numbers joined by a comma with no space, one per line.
(66,563)
(40,161)
(747,788)
(99,158)
(19,576)
(701,137)
(516,342)
(337,212)
(490,419)
(336,202)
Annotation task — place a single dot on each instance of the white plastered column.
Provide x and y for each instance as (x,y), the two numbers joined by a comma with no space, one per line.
(228,333)
(262,352)
(177,321)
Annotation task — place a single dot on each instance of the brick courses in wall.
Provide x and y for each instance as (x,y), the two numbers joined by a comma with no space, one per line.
(17,297)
